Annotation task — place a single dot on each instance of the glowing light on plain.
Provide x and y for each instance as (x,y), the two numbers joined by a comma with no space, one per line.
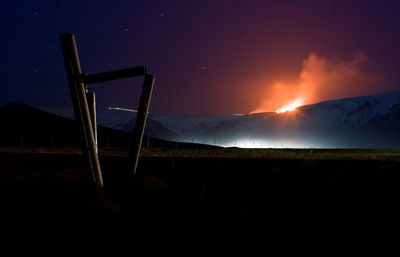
(264,143)
(244,142)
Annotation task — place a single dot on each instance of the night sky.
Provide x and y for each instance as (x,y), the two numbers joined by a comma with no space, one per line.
(208,57)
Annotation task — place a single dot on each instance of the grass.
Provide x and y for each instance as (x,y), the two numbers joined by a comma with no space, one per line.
(227,153)
(318,154)
(281,190)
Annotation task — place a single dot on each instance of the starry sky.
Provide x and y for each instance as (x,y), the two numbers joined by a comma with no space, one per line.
(208,57)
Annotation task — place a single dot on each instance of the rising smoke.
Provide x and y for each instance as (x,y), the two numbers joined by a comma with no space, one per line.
(321,79)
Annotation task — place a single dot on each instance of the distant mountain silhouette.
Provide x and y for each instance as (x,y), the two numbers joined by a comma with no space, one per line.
(359,122)
(23,125)
(153,128)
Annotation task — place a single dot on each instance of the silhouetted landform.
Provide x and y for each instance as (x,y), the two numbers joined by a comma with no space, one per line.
(25,126)
(153,128)
(358,122)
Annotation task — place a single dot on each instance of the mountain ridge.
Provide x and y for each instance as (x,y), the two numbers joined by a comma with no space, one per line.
(367,121)
(356,122)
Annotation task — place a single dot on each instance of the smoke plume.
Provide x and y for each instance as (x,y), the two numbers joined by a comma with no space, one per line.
(321,79)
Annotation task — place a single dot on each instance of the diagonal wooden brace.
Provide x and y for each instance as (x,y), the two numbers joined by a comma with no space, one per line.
(140,123)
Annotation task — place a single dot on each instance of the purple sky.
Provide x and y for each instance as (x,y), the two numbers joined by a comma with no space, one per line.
(207,56)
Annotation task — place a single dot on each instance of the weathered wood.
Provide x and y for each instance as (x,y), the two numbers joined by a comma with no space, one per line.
(113,75)
(91,97)
(85,106)
(81,109)
(141,121)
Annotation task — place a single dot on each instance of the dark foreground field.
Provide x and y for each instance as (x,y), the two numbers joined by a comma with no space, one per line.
(279,195)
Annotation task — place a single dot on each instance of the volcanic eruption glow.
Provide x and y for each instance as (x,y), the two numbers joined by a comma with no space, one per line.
(290,106)
(320,79)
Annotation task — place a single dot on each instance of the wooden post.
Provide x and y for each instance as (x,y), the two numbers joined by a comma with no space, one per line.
(141,117)
(91,97)
(81,109)
(86,114)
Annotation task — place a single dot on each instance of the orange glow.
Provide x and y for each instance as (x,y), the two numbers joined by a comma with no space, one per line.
(320,79)
(291,106)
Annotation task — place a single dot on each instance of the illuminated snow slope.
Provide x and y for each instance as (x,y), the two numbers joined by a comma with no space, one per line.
(352,111)
(370,121)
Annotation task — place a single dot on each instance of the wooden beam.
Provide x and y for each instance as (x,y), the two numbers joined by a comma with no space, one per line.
(140,123)
(81,109)
(113,75)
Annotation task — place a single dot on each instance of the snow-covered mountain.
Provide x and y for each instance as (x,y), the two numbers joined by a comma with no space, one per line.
(352,111)
(370,121)
(359,122)
(165,126)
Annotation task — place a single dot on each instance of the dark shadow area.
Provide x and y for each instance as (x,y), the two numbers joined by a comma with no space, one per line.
(280,197)
(25,126)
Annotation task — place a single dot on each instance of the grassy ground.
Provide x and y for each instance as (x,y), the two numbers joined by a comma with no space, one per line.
(281,192)
(301,154)
(305,154)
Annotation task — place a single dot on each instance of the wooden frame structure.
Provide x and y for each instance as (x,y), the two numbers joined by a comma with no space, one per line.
(85,107)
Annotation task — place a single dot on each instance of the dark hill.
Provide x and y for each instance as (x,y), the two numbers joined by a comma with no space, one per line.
(153,128)
(22,125)
(25,126)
